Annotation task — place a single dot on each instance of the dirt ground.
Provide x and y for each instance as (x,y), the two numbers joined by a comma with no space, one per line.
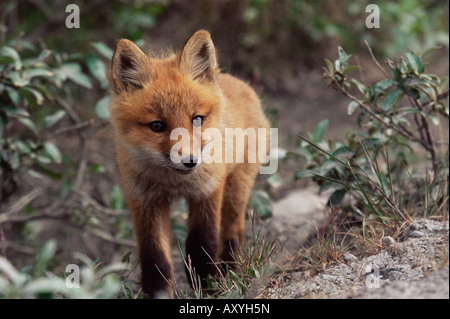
(413,267)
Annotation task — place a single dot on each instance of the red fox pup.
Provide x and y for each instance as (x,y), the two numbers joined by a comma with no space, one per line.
(153,100)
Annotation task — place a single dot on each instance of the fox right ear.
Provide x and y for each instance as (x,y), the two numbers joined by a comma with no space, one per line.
(130,68)
(198,57)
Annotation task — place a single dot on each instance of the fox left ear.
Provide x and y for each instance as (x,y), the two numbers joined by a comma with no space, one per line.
(198,57)
(130,68)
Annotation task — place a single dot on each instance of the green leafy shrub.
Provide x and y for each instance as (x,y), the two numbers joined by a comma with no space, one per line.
(395,117)
(40,102)
(32,84)
(37,282)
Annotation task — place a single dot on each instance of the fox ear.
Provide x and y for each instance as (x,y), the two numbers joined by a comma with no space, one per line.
(198,57)
(130,68)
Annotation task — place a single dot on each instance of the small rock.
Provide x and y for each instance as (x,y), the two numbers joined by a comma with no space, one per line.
(329,277)
(350,258)
(434,227)
(388,241)
(368,269)
(395,275)
(416,234)
(381,260)
(404,268)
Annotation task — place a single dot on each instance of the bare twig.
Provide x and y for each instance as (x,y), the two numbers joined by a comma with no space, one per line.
(20,248)
(74,127)
(398,128)
(97,206)
(82,164)
(21,202)
(47,214)
(375,184)
(2,242)
(375,60)
(438,98)
(108,237)
(429,138)
(69,109)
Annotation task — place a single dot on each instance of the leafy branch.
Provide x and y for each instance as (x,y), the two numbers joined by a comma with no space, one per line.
(373,164)
(382,104)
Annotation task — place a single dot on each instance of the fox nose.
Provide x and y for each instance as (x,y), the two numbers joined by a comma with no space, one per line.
(190,162)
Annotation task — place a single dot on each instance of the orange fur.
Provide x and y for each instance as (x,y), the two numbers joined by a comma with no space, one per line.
(174,90)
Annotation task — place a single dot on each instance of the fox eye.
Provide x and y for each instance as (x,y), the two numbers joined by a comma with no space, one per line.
(158,126)
(197,120)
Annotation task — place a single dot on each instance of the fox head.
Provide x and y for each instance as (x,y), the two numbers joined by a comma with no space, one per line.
(159,104)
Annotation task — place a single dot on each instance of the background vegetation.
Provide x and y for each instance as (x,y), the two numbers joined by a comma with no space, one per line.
(386,163)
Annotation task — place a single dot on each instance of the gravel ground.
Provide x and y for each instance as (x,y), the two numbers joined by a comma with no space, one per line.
(414,267)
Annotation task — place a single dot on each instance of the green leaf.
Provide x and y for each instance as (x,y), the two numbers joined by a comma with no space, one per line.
(391,100)
(11,54)
(351,68)
(44,257)
(98,69)
(117,201)
(337,197)
(37,95)
(98,168)
(15,160)
(352,106)
(53,152)
(329,65)
(28,124)
(319,131)
(428,51)
(384,85)
(47,171)
(13,111)
(359,85)
(302,174)
(368,92)
(338,66)
(398,75)
(42,56)
(380,88)
(4,59)
(72,71)
(301,151)
(126,257)
(343,57)
(434,119)
(274,180)
(14,96)
(23,147)
(415,61)
(260,202)
(52,119)
(102,108)
(65,187)
(37,72)
(103,49)
(413,92)
(344,150)
(17,79)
